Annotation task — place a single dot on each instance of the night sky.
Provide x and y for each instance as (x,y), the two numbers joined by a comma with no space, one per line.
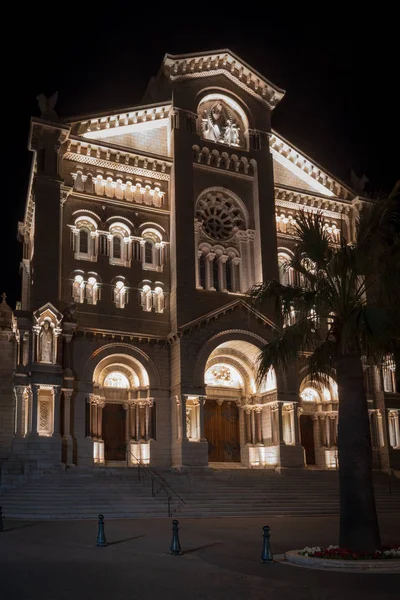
(340,75)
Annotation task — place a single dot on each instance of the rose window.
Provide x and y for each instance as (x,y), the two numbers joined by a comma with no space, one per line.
(220,217)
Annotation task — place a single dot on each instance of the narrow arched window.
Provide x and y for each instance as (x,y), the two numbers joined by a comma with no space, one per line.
(77,289)
(148,253)
(116,247)
(215,274)
(228,275)
(83,241)
(120,294)
(202,268)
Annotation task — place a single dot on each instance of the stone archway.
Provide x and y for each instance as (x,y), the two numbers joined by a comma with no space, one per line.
(121,411)
(236,417)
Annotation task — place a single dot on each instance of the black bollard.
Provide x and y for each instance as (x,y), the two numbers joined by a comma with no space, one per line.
(1,519)
(101,537)
(266,555)
(175,545)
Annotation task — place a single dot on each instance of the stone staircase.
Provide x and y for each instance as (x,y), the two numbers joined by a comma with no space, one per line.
(118,493)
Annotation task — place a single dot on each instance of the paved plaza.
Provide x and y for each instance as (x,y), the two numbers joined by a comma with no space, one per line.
(58,560)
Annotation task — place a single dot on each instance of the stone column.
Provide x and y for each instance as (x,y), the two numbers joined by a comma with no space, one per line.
(67,438)
(56,406)
(127,424)
(280,422)
(322,426)
(221,272)
(100,406)
(202,400)
(132,421)
(19,413)
(137,422)
(93,417)
(379,426)
(209,271)
(257,415)
(247,414)
(34,413)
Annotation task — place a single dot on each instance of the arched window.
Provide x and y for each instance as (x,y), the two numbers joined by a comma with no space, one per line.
(116,247)
(146,298)
(120,294)
(202,270)
(286,273)
(221,235)
(92,291)
(389,375)
(78,289)
(149,253)
(158,300)
(83,241)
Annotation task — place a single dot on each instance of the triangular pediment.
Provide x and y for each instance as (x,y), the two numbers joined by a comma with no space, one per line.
(226,309)
(227,63)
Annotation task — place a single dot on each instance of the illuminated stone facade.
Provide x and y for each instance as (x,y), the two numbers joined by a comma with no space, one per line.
(144,228)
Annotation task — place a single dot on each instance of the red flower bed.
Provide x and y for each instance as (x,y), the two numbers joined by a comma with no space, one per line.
(336,553)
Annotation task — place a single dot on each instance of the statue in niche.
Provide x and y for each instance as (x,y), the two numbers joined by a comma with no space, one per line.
(218,125)
(46,342)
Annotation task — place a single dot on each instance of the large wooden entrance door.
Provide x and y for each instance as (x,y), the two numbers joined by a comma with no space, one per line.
(307,438)
(114,431)
(221,429)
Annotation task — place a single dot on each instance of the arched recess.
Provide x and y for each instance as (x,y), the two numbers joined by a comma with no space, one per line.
(131,357)
(232,335)
(222,119)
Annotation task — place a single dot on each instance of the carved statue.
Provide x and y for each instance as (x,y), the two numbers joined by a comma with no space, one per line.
(46,106)
(218,125)
(46,341)
(69,312)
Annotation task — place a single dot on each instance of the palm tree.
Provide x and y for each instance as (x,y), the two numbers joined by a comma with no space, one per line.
(352,292)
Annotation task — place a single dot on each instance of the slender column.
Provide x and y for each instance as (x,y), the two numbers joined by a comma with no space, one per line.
(56,407)
(34,418)
(142,423)
(379,426)
(247,413)
(19,420)
(99,417)
(183,417)
(397,429)
(137,422)
(322,426)
(295,426)
(221,272)
(199,253)
(257,414)
(127,424)
(209,271)
(280,422)
(93,417)
(202,400)
(132,421)
(67,413)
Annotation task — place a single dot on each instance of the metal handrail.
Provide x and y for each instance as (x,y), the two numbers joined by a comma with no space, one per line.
(155,477)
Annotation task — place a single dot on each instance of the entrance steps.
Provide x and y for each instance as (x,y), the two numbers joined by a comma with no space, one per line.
(208,492)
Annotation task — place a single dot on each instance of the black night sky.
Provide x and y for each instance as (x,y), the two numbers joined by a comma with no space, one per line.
(340,73)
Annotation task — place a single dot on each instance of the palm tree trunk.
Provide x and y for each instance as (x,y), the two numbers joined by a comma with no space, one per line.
(359,530)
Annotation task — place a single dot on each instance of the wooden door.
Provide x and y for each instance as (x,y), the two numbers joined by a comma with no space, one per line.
(221,428)
(114,431)
(307,438)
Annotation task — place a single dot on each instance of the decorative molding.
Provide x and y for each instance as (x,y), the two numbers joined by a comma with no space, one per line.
(239,165)
(121,122)
(302,167)
(226,63)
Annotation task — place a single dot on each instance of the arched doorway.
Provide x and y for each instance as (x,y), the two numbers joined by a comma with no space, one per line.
(237,416)
(122,414)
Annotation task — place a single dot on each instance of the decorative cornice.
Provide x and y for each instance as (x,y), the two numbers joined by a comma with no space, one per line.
(302,166)
(120,336)
(288,198)
(121,122)
(122,162)
(223,62)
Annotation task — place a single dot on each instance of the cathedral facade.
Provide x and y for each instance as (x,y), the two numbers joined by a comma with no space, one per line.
(135,340)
